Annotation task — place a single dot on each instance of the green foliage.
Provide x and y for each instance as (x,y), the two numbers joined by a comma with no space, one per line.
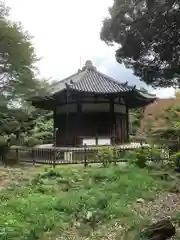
(140,157)
(105,156)
(43,209)
(135,117)
(155,153)
(3,141)
(43,131)
(147,32)
(174,160)
(169,130)
(30,128)
(15,121)
(17,59)
(18,83)
(31,141)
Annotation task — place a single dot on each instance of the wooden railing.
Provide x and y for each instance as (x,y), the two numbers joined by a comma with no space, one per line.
(56,155)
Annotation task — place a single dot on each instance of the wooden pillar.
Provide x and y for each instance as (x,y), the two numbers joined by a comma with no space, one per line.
(112,105)
(117,129)
(67,118)
(127,123)
(121,129)
(112,131)
(54,128)
(78,124)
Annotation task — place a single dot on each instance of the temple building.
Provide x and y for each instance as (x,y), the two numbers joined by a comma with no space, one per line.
(91,108)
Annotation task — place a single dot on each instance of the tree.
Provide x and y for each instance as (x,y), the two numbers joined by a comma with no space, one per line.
(17,60)
(166,128)
(21,121)
(148,32)
(177,94)
(43,130)
(18,82)
(135,117)
(19,126)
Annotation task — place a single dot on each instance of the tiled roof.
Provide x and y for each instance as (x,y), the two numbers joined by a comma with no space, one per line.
(96,82)
(61,85)
(90,80)
(146,94)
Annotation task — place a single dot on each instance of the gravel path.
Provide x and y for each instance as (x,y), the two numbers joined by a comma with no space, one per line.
(164,206)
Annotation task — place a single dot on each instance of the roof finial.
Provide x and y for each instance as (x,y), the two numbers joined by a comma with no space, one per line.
(89,65)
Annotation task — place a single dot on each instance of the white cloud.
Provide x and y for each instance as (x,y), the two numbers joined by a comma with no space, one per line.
(165,92)
(64,31)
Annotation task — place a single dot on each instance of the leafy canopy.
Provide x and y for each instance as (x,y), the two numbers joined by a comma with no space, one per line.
(169,124)
(148,32)
(18,82)
(17,59)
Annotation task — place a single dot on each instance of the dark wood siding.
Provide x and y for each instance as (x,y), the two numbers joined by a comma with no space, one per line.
(73,126)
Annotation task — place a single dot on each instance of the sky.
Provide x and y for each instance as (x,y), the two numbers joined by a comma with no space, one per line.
(66,34)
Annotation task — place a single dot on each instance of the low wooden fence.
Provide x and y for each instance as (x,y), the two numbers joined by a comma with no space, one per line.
(56,156)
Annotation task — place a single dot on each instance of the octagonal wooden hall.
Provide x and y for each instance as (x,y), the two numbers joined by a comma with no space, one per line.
(91,108)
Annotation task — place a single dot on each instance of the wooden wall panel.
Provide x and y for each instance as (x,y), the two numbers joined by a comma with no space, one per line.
(74,126)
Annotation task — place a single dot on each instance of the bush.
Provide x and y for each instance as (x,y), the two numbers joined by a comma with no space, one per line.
(137,157)
(141,156)
(105,156)
(12,139)
(44,136)
(31,142)
(155,153)
(3,141)
(174,160)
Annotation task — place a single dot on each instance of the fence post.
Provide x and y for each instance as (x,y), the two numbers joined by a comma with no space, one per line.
(85,156)
(54,158)
(17,154)
(33,157)
(114,155)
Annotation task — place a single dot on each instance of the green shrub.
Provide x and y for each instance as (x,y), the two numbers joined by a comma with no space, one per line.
(3,141)
(105,156)
(31,141)
(155,153)
(43,135)
(174,160)
(137,157)
(141,156)
(51,174)
(12,139)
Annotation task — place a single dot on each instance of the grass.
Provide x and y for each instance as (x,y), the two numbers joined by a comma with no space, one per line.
(44,204)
